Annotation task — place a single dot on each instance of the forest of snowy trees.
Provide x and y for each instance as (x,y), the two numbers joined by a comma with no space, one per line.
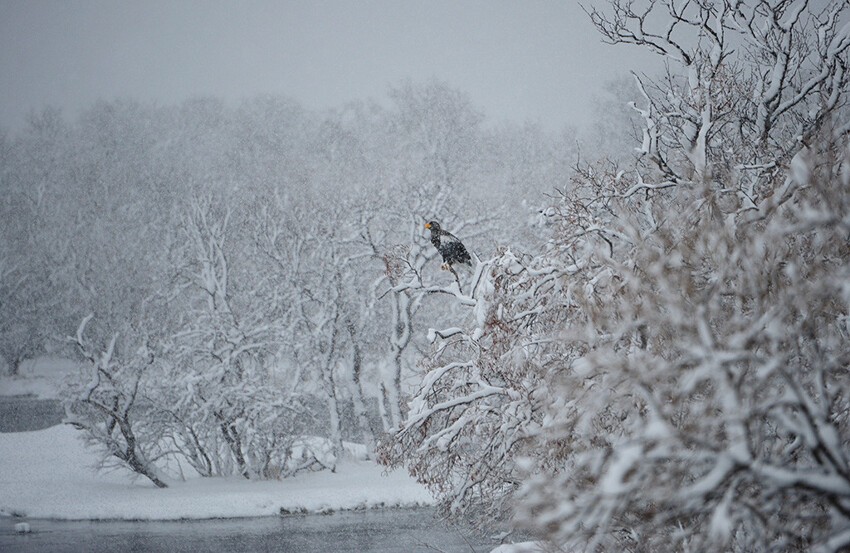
(227,273)
(650,353)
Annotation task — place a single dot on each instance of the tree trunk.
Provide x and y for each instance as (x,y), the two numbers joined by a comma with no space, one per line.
(133,458)
(329,385)
(232,439)
(357,395)
(402,331)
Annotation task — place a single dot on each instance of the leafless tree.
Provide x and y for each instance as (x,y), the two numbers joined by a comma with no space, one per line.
(109,406)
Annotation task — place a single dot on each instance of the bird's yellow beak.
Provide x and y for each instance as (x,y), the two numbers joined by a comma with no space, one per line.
(428,225)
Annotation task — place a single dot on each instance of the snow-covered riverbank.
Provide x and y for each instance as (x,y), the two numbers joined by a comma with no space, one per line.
(49,474)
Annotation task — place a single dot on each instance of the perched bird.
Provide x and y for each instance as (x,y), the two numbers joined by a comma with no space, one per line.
(448,245)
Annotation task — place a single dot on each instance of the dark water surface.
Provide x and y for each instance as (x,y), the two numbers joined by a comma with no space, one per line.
(402,530)
(27,413)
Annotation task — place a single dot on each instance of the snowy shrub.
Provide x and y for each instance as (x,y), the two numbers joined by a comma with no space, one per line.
(709,409)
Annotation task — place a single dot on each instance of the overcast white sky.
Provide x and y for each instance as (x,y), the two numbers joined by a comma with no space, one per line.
(519,60)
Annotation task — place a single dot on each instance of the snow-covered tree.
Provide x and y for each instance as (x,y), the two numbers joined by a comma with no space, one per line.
(430,143)
(234,416)
(33,169)
(325,265)
(669,373)
(109,404)
(747,83)
(220,398)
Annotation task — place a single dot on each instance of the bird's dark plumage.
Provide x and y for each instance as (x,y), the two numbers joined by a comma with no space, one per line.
(452,249)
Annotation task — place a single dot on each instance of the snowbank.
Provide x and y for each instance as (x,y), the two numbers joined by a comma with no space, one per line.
(49,474)
(39,377)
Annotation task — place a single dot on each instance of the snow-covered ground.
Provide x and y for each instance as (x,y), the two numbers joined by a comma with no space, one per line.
(49,473)
(40,378)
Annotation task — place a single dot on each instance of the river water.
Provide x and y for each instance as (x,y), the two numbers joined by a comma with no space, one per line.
(27,413)
(395,530)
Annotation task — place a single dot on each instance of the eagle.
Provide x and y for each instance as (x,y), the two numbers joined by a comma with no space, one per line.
(452,249)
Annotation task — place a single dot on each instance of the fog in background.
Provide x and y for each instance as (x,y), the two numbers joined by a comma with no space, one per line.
(539,61)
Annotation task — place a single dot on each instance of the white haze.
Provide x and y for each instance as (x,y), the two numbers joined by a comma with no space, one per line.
(540,61)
